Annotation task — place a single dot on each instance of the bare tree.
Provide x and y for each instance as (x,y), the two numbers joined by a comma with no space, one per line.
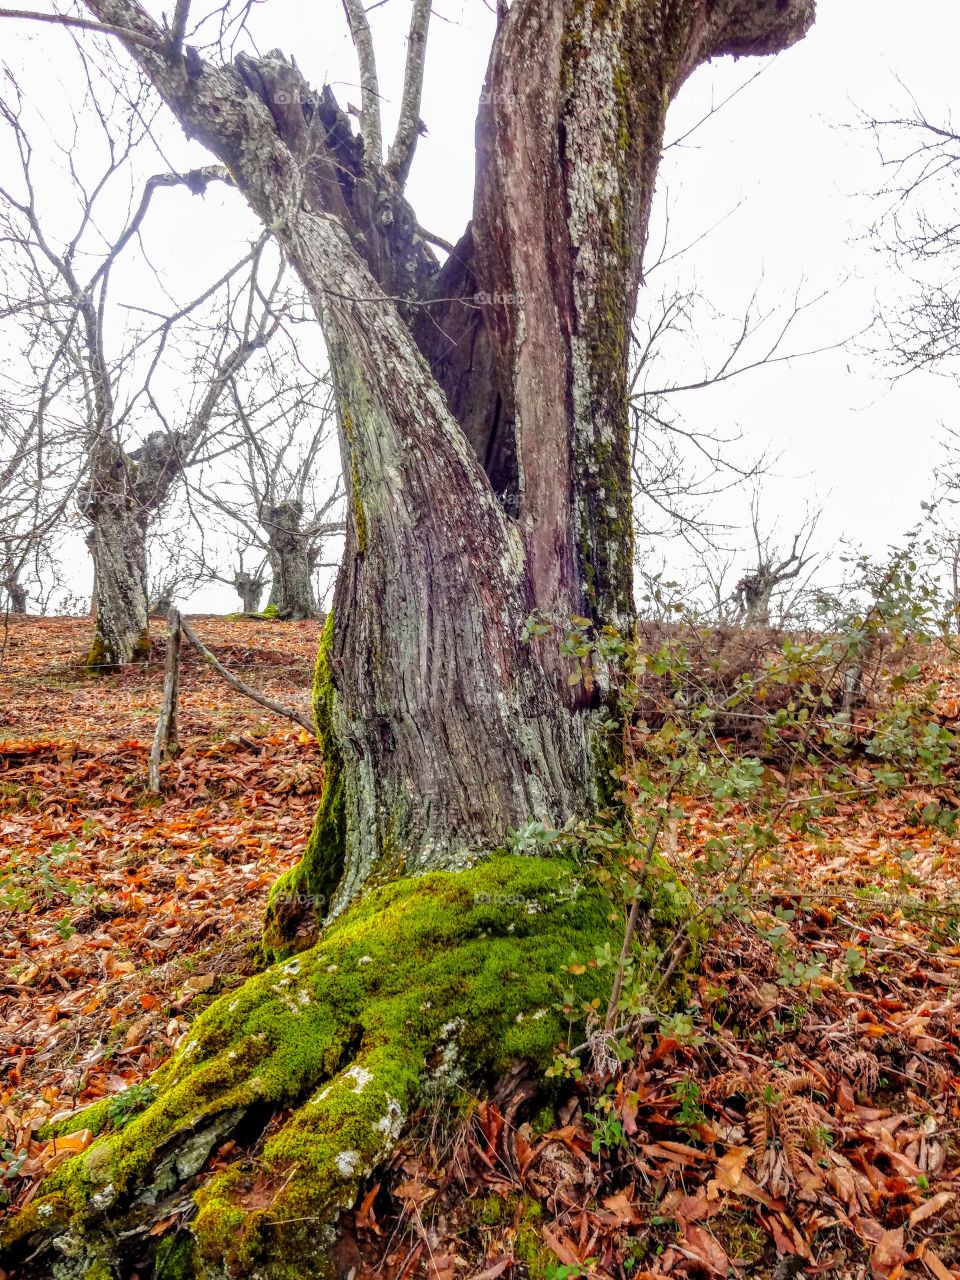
(772,571)
(37,482)
(445,721)
(918,226)
(134,435)
(274,493)
(679,465)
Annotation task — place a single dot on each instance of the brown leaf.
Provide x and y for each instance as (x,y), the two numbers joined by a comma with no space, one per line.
(561,1245)
(888,1254)
(730,1168)
(707,1248)
(936,1266)
(621,1208)
(414,1192)
(498,1268)
(931,1206)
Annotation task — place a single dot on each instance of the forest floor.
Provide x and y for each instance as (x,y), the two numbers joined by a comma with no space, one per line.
(799,1121)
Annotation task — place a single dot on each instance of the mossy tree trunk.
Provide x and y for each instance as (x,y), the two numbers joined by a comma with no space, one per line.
(483,424)
(444,727)
(121,629)
(249,587)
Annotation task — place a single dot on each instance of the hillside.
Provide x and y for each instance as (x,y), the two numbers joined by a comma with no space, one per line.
(793,1118)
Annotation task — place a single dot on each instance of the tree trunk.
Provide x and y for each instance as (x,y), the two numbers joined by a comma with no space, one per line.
(10,578)
(756,593)
(250,589)
(17,595)
(119,547)
(126,489)
(487,461)
(289,551)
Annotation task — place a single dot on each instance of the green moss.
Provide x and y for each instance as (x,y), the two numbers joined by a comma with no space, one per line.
(50,1212)
(544,1120)
(438,976)
(99,1270)
(422,984)
(101,659)
(524,1217)
(359,514)
(300,898)
(528,1245)
(356,500)
(740,1236)
(96,1118)
(175,1258)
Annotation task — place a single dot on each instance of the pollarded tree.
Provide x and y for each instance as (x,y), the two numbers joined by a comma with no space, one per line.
(111,373)
(445,719)
(272,491)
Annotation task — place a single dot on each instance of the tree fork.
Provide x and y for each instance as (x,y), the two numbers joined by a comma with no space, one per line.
(441,725)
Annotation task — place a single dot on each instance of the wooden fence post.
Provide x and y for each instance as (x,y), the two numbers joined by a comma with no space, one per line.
(165,743)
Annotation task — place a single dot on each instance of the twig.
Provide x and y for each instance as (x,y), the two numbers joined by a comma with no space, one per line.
(635,911)
(179,28)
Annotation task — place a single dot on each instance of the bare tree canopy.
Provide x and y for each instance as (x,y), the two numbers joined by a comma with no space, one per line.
(918,227)
(111,372)
(269,493)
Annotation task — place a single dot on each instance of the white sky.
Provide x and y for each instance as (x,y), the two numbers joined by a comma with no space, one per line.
(785,160)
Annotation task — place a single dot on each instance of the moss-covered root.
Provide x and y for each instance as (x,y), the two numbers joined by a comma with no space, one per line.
(449,973)
(302,896)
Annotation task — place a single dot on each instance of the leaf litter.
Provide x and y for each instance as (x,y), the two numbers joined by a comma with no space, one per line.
(808,1126)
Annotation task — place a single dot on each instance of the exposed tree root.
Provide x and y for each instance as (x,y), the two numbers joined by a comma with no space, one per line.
(448,975)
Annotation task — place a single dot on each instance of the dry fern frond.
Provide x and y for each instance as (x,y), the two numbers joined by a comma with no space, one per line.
(775,1108)
(860,1067)
(758,1121)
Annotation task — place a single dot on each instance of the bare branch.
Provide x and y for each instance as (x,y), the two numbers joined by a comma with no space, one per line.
(289,713)
(371,128)
(180,17)
(409,125)
(85,24)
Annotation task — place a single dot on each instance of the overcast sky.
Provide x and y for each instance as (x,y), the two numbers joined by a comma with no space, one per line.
(783,168)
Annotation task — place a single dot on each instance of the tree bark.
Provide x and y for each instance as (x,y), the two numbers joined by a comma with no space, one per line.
(16,594)
(487,464)
(119,548)
(249,588)
(289,551)
(444,728)
(126,489)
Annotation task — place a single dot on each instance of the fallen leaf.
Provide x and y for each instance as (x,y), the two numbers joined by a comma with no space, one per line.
(931,1207)
(730,1168)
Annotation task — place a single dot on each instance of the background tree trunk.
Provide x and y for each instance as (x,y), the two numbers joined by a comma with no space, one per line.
(119,548)
(289,549)
(17,594)
(249,588)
